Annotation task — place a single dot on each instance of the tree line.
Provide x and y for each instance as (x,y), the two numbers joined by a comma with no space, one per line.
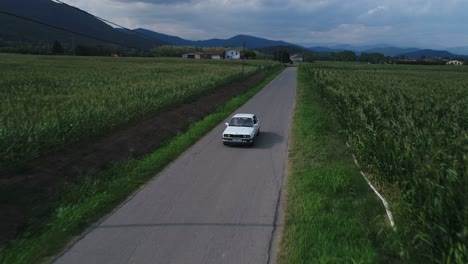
(374,58)
(282,55)
(57,48)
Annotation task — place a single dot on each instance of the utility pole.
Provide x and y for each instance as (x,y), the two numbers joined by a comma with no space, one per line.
(73,43)
(243,60)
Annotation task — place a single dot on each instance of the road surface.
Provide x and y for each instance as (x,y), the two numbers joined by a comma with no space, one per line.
(214,204)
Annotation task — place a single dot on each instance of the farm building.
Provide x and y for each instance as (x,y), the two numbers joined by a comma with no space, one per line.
(232,54)
(214,54)
(194,55)
(454,62)
(296,58)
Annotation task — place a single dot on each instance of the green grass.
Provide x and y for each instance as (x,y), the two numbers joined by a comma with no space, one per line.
(332,216)
(98,194)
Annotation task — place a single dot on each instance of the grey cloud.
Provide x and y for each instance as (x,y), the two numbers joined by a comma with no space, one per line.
(302,21)
(158,2)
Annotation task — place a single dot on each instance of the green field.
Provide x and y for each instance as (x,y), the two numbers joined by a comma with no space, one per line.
(81,202)
(49,102)
(408,127)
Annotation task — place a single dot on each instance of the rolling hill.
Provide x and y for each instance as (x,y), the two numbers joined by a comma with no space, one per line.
(459,50)
(289,49)
(432,54)
(321,49)
(391,51)
(251,42)
(47,12)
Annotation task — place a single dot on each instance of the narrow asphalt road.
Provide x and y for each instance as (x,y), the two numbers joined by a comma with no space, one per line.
(214,204)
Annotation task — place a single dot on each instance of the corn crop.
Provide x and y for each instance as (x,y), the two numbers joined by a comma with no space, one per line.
(49,102)
(408,125)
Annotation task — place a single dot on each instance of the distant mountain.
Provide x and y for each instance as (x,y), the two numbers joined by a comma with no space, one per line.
(391,51)
(163,37)
(321,49)
(431,54)
(358,48)
(15,29)
(290,49)
(377,48)
(251,42)
(459,50)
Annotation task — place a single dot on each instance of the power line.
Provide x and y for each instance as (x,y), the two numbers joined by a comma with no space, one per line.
(86,35)
(110,22)
(66,30)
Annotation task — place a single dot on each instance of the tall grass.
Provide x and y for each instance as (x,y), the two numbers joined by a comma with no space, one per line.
(49,102)
(408,125)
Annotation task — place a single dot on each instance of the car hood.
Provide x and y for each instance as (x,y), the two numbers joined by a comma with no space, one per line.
(239,130)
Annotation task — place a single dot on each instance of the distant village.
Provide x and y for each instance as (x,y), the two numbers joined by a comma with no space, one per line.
(234,54)
(439,61)
(215,55)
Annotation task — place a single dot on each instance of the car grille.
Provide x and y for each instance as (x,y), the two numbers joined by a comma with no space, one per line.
(235,136)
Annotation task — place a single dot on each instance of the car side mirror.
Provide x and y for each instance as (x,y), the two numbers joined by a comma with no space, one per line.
(227,124)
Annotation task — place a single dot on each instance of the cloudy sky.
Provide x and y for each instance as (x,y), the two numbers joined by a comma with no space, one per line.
(404,23)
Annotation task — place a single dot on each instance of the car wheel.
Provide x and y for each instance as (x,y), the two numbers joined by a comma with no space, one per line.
(258,132)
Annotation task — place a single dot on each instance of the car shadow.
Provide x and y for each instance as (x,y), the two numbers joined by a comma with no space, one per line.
(265,140)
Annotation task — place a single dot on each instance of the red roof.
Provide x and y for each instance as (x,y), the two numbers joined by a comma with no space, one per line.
(215,52)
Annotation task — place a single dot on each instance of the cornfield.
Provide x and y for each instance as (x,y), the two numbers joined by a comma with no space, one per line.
(408,126)
(49,102)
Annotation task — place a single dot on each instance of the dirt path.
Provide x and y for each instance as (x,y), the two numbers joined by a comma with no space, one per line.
(28,195)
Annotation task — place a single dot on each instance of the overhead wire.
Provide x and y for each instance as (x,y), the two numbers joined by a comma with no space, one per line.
(112,23)
(83,34)
(66,30)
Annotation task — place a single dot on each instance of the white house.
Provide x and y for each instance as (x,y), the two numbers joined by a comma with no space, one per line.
(195,55)
(232,54)
(454,62)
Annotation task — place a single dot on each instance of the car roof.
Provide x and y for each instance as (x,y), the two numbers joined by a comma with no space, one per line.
(244,115)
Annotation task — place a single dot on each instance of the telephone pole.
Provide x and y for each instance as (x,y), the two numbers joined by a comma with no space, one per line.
(243,60)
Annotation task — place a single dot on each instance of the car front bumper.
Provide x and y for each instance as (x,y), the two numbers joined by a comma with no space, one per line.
(237,141)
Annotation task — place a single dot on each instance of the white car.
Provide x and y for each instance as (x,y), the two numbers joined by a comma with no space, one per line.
(241,129)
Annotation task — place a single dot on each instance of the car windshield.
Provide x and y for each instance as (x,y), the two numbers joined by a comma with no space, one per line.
(241,122)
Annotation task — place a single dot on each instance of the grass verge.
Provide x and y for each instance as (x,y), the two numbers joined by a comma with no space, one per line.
(96,196)
(332,215)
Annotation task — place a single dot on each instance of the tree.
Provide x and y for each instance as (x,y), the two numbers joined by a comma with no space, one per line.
(250,54)
(95,50)
(282,56)
(372,57)
(57,48)
(310,57)
(344,56)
